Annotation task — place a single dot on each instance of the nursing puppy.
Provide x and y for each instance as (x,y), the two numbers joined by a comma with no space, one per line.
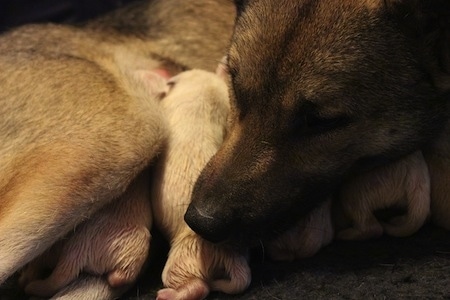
(196,108)
(77,120)
(403,185)
(320,91)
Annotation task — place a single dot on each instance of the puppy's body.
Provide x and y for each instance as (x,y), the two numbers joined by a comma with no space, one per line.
(77,123)
(320,91)
(196,108)
(402,185)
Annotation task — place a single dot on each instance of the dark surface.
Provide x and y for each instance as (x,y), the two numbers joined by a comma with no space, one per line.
(417,267)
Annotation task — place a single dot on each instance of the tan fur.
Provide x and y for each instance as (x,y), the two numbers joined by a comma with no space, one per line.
(196,108)
(404,184)
(77,121)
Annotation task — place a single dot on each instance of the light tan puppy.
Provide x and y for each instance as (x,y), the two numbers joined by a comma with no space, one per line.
(309,235)
(196,108)
(402,185)
(437,156)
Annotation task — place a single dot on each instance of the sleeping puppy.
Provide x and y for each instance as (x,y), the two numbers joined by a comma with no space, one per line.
(403,185)
(196,109)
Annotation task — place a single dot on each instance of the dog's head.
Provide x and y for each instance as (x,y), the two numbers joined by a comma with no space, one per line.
(320,89)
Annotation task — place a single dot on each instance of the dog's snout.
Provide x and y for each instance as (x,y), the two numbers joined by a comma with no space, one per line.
(209,224)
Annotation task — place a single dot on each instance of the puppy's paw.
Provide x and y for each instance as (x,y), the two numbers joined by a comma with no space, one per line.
(119,278)
(167,294)
(195,289)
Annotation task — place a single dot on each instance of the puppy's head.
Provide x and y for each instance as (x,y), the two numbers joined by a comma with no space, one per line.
(319,90)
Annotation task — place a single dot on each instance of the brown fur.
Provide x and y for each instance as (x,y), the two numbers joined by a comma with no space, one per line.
(77,121)
(321,90)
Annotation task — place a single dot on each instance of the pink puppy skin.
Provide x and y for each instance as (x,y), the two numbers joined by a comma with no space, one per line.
(196,108)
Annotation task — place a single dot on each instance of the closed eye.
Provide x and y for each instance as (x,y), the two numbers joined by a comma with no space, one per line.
(313,124)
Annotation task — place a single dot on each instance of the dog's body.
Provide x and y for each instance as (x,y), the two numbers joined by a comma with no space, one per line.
(196,108)
(403,185)
(78,123)
(320,91)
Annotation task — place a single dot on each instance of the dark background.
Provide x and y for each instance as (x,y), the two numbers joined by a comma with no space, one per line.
(416,267)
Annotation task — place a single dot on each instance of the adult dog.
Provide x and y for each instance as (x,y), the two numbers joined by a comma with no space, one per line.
(321,91)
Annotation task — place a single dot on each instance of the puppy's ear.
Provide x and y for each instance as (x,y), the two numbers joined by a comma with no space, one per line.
(154,82)
(222,69)
(428,23)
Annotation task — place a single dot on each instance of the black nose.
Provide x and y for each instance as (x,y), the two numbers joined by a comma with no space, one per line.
(212,226)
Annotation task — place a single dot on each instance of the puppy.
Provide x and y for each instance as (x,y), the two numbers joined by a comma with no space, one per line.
(309,235)
(196,108)
(320,91)
(437,155)
(402,185)
(77,120)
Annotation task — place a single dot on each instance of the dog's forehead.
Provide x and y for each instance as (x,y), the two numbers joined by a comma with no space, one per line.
(298,41)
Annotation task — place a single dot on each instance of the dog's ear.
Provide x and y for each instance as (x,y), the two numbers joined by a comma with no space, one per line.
(428,23)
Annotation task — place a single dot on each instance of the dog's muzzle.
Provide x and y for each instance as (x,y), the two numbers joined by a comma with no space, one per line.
(209,225)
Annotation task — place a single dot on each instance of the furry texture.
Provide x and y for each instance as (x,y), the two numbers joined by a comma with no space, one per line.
(403,185)
(77,121)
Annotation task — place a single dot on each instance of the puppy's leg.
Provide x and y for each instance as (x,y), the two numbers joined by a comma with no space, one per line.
(89,288)
(417,199)
(238,272)
(194,289)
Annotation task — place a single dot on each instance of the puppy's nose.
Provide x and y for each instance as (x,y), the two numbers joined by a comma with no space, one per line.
(210,226)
